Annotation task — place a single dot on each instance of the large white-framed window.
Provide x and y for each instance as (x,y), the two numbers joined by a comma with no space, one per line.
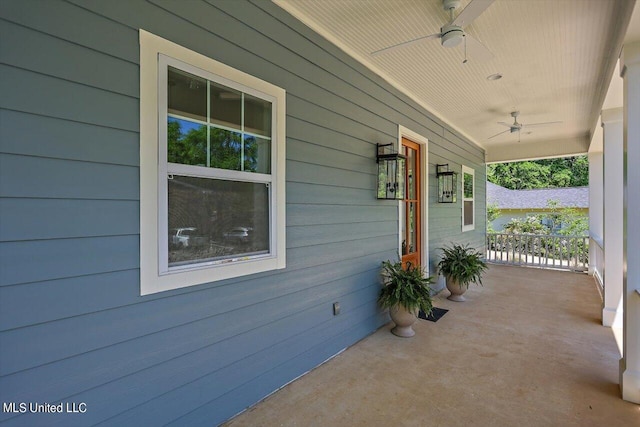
(468,198)
(212,177)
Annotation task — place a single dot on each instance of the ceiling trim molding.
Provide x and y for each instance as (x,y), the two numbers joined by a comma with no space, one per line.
(538,150)
(630,57)
(597,140)
(610,63)
(612,115)
(313,25)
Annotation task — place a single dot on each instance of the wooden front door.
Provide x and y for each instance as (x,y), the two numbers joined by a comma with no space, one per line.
(411,206)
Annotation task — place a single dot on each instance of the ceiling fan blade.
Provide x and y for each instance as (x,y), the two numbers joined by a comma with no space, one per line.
(540,124)
(404,44)
(477,50)
(498,134)
(471,12)
(506,124)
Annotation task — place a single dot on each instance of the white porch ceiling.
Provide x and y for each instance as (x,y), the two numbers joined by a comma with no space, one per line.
(556,57)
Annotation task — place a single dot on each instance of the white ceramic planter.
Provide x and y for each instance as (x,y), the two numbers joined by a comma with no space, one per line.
(456,290)
(404,321)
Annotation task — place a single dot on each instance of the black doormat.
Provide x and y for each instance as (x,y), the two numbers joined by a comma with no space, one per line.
(435,315)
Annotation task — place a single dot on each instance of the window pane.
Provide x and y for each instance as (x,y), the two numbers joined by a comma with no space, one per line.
(226,149)
(187,94)
(257,154)
(403,227)
(257,115)
(468,212)
(226,106)
(186,142)
(411,173)
(468,185)
(411,243)
(212,219)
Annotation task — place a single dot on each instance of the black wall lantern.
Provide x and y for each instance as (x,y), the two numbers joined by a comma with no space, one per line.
(391,170)
(447,181)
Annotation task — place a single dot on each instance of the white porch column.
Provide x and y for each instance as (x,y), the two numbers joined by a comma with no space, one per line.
(613,216)
(630,363)
(596,214)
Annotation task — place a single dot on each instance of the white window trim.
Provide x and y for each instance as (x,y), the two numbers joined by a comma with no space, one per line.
(152,279)
(472,172)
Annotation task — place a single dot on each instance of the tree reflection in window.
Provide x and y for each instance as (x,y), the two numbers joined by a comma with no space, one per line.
(191,143)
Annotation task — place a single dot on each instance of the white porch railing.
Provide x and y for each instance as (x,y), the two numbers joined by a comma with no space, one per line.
(596,259)
(548,251)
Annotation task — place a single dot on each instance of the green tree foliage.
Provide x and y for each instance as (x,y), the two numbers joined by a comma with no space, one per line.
(225,149)
(566,221)
(529,225)
(189,148)
(565,172)
(559,221)
(493,212)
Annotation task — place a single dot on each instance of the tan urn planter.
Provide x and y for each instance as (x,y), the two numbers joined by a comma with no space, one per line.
(456,290)
(404,321)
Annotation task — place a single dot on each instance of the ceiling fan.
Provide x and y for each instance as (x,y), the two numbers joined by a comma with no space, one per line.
(517,127)
(452,33)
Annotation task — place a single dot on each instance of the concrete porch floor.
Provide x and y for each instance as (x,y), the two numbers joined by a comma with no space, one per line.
(527,349)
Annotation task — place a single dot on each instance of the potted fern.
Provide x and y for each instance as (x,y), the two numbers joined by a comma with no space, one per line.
(461,265)
(405,292)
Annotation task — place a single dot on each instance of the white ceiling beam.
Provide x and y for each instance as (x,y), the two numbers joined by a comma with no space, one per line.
(537,150)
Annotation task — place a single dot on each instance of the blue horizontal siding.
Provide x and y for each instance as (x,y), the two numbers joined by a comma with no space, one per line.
(326,254)
(199,357)
(258,388)
(303,215)
(316,194)
(70,308)
(312,235)
(40,302)
(325,116)
(205,313)
(49,96)
(41,136)
(329,176)
(305,131)
(31,261)
(39,177)
(59,19)
(335,158)
(295,361)
(44,219)
(50,55)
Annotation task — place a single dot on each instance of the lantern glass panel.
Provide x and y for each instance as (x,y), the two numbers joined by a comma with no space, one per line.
(447,188)
(391,178)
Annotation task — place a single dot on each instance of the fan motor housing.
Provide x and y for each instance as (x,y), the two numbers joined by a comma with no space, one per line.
(450,4)
(451,35)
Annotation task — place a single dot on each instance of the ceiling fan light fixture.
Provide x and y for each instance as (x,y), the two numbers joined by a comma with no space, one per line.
(451,35)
